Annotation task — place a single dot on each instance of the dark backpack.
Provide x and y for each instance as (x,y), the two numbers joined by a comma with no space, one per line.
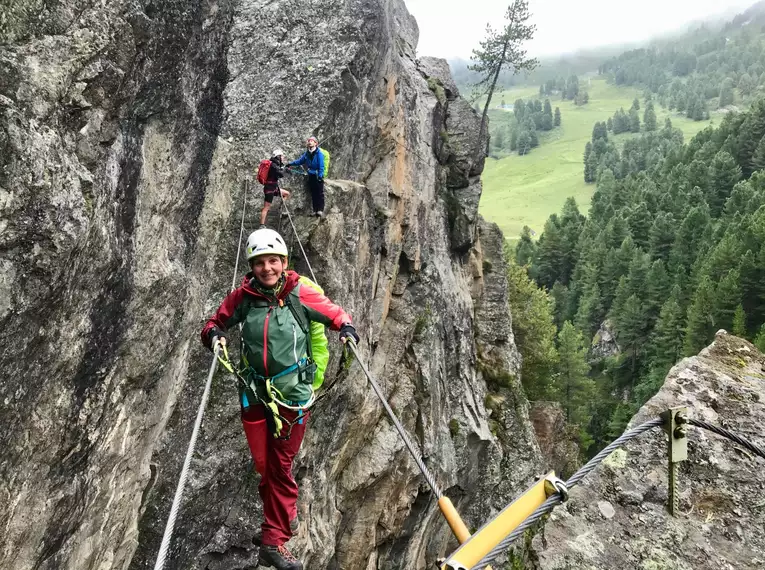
(265,166)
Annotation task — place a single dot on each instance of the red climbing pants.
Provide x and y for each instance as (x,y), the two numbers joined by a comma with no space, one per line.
(273,460)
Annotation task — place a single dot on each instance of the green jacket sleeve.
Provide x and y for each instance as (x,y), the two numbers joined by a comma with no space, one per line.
(320,350)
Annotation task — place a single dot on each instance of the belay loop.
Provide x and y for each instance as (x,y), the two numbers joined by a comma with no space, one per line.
(248,378)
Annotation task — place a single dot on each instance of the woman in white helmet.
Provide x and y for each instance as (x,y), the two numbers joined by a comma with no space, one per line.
(276,307)
(272,187)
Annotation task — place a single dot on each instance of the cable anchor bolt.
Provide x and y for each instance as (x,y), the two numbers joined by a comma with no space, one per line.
(676,426)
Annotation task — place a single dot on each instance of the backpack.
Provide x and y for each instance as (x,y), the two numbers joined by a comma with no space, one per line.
(326,155)
(265,166)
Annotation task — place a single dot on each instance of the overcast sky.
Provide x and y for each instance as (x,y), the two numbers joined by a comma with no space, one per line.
(451,28)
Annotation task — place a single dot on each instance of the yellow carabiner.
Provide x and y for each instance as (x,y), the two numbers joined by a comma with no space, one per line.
(224,360)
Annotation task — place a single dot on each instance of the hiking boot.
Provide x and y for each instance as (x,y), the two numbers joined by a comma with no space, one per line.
(278,557)
(294,524)
(320,214)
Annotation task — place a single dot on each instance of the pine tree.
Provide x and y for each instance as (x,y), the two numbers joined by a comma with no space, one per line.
(590,311)
(547,108)
(549,252)
(758,158)
(657,285)
(534,332)
(724,173)
(640,222)
(661,236)
(692,233)
(514,140)
(649,118)
(727,298)
(526,249)
(589,175)
(668,335)
(700,110)
(500,50)
(560,297)
(631,324)
(700,326)
(739,322)
(556,120)
(533,137)
(634,120)
(746,84)
(610,124)
(726,93)
(524,143)
(577,389)
(519,110)
(759,340)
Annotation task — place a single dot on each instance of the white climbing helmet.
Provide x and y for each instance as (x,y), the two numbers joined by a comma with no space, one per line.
(277,152)
(265,242)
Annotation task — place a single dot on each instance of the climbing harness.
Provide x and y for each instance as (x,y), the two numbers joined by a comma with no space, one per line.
(249,379)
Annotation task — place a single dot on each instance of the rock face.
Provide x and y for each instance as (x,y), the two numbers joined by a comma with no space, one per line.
(129,132)
(557,440)
(617,518)
(604,342)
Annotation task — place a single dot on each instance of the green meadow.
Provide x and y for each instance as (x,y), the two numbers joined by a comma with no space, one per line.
(524,190)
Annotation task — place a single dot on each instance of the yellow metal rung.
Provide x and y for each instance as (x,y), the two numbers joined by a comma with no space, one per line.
(472,551)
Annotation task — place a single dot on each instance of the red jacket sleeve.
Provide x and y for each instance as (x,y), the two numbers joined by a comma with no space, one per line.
(225,316)
(321,309)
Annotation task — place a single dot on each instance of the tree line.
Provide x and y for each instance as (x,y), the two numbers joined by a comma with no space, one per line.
(707,67)
(672,250)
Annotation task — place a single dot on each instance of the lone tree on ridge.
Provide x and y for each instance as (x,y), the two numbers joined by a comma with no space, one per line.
(502,49)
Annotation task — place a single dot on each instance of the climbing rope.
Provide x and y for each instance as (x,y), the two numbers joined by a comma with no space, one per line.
(241,234)
(169,527)
(294,229)
(160,564)
(410,446)
(556,499)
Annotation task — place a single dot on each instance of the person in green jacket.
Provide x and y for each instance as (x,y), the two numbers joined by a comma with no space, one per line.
(284,353)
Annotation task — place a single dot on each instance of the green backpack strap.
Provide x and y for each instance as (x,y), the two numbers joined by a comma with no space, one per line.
(302,320)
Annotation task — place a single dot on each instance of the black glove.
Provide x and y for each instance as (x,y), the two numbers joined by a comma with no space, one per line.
(349,331)
(215,332)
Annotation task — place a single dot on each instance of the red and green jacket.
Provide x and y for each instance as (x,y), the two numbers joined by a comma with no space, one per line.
(273,340)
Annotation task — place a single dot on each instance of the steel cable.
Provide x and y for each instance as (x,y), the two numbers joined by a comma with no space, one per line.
(556,499)
(743,442)
(410,446)
(178,497)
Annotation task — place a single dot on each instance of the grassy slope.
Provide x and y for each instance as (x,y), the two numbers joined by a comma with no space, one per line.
(525,190)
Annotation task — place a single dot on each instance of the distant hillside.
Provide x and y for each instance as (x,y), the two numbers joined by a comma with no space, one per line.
(711,66)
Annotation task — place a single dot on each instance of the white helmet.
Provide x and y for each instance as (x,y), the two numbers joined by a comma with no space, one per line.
(277,152)
(265,242)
